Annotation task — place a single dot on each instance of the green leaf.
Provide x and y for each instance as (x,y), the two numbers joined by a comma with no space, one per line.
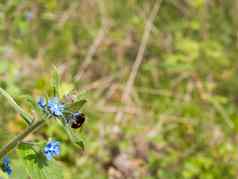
(36,165)
(3,175)
(18,170)
(82,95)
(27,117)
(80,144)
(76,106)
(31,102)
(72,136)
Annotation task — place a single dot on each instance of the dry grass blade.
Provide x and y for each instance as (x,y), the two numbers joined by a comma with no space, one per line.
(140,55)
(92,50)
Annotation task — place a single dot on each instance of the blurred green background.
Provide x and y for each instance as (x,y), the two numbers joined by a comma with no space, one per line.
(180,120)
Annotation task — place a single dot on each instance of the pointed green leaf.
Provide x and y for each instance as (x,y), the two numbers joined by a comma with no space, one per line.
(37,166)
(76,106)
(72,136)
(18,170)
(27,117)
(3,175)
(31,102)
(80,144)
(82,95)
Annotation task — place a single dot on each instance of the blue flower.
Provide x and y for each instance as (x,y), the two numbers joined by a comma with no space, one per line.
(41,102)
(6,165)
(52,148)
(55,107)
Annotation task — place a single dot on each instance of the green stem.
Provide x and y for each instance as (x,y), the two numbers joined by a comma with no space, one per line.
(16,140)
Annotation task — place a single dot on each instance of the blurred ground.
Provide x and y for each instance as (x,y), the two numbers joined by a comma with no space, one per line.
(161,84)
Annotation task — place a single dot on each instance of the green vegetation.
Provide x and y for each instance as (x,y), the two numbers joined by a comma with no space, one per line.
(179,119)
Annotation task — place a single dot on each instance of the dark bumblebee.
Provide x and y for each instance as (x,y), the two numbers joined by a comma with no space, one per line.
(76,120)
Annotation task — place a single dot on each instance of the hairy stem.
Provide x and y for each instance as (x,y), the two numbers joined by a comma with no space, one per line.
(16,140)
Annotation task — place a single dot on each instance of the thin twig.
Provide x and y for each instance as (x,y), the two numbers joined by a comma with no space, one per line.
(140,55)
(98,83)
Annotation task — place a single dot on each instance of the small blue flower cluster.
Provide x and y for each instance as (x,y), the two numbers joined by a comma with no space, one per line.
(53,106)
(52,149)
(6,165)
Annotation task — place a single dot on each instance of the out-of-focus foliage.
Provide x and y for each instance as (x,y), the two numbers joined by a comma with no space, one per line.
(181,121)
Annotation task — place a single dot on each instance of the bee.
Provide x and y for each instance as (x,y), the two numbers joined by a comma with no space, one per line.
(76,120)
